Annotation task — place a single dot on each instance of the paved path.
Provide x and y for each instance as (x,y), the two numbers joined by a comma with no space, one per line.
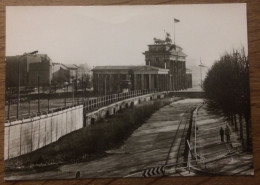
(151,145)
(219,157)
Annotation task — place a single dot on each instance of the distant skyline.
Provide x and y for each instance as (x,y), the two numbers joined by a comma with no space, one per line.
(118,35)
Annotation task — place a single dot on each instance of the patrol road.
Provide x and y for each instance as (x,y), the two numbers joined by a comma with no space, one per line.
(159,141)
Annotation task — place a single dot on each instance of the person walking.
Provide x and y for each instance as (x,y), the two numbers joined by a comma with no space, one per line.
(221,133)
(227,133)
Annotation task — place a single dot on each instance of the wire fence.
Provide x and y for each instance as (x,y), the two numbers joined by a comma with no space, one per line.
(31,107)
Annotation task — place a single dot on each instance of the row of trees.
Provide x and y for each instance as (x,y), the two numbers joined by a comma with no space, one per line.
(227,92)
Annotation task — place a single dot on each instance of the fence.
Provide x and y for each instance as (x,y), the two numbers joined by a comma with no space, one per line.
(40,129)
(95,103)
(49,104)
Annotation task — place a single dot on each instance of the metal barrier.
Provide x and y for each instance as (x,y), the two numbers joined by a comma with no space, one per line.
(98,102)
(89,104)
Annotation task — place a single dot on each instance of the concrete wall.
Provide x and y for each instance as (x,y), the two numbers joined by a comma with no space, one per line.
(24,136)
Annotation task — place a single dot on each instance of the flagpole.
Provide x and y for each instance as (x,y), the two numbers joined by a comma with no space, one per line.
(200,73)
(174,33)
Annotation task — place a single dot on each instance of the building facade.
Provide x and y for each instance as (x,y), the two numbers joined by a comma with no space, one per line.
(20,65)
(188,80)
(114,79)
(38,67)
(164,69)
(169,56)
(41,70)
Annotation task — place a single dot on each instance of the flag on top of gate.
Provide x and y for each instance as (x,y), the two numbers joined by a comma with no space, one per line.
(176,20)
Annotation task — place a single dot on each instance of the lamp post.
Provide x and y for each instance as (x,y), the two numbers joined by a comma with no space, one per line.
(38,83)
(105,85)
(72,85)
(18,84)
(66,85)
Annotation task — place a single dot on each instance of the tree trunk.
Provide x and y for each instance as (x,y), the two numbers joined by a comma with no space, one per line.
(235,121)
(241,131)
(231,118)
(248,142)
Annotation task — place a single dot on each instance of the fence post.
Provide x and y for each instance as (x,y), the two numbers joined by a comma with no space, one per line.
(48,102)
(84,113)
(86,103)
(65,103)
(39,94)
(32,135)
(8,111)
(82,97)
(29,105)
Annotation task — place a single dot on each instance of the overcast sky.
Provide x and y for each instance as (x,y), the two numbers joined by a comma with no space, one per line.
(118,35)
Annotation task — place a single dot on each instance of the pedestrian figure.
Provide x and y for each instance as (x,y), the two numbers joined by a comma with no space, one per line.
(227,133)
(221,133)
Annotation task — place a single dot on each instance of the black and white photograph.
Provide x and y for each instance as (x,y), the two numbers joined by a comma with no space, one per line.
(127,91)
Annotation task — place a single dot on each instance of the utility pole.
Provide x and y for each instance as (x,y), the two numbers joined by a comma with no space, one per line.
(18,73)
(105,86)
(200,73)
(73,83)
(176,71)
(18,89)
(38,94)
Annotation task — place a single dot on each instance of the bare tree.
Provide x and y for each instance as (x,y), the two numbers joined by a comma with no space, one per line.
(227,89)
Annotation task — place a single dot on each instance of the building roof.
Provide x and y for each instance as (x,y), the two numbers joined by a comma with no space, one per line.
(178,53)
(177,46)
(141,68)
(169,49)
(148,68)
(70,66)
(113,68)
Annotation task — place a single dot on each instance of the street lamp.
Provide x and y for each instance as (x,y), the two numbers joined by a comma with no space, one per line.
(73,83)
(18,85)
(66,84)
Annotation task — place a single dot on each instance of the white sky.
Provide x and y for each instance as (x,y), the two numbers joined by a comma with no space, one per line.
(118,35)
